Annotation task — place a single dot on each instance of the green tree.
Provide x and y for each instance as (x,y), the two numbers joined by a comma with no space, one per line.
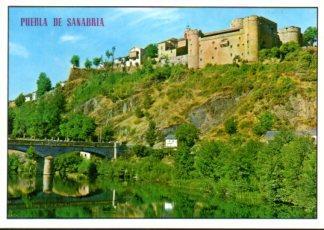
(210,159)
(47,117)
(187,134)
(43,85)
(78,127)
(230,126)
(24,117)
(75,61)
(97,61)
(310,36)
(151,135)
(20,100)
(150,51)
(88,64)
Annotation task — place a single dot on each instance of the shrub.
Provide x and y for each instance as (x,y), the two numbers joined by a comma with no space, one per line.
(139,150)
(230,126)
(266,121)
(148,101)
(288,47)
(187,134)
(68,162)
(87,167)
(162,73)
(20,100)
(14,164)
(108,133)
(31,153)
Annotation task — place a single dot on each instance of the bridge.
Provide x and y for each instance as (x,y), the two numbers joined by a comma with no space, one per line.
(53,148)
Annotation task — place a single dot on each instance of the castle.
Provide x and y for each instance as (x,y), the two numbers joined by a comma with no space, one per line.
(241,42)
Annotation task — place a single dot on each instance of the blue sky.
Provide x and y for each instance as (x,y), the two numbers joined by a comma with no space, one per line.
(49,49)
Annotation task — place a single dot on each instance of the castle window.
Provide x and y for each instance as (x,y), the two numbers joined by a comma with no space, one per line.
(212,57)
(239,38)
(238,45)
(200,59)
(215,48)
(231,54)
(231,46)
(247,41)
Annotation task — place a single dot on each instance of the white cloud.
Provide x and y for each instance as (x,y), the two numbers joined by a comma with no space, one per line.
(69,38)
(18,50)
(156,15)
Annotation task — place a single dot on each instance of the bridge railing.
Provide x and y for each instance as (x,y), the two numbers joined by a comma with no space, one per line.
(60,143)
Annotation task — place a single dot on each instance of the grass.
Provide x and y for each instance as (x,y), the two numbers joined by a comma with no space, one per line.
(176,91)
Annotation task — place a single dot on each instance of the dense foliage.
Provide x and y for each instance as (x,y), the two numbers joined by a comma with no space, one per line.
(78,127)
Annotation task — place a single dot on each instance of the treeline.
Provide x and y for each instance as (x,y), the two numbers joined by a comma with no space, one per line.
(280,175)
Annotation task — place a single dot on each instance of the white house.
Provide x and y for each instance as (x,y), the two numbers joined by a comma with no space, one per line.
(135,56)
(171,141)
(30,96)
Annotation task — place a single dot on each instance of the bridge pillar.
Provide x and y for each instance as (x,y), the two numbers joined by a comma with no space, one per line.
(47,174)
(115,150)
(48,162)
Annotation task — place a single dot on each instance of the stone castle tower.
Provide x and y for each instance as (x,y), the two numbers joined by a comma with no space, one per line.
(192,37)
(290,34)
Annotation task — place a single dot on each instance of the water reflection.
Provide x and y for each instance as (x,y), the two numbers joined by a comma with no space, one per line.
(47,183)
(70,187)
(58,197)
(20,185)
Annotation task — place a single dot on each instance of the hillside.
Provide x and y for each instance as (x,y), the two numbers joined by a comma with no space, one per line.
(174,95)
(284,87)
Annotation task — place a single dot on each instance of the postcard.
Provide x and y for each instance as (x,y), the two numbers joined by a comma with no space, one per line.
(154,114)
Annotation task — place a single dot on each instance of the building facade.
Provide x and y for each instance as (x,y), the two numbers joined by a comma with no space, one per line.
(241,42)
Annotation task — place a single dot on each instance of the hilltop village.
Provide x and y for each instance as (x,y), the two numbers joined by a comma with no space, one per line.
(241,42)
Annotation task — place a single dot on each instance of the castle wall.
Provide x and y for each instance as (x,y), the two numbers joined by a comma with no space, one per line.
(183,60)
(221,49)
